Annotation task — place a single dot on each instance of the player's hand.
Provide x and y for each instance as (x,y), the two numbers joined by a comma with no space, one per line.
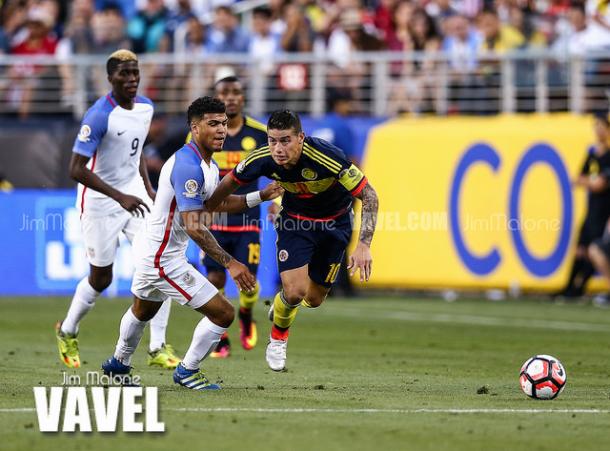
(243,278)
(272,211)
(361,259)
(271,191)
(133,204)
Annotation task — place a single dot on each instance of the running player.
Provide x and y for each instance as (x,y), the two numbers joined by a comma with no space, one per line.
(187,179)
(238,233)
(315,223)
(113,194)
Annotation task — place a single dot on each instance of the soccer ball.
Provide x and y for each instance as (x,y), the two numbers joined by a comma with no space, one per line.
(542,377)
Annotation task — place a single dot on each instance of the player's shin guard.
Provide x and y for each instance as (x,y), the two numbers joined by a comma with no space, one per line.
(247,300)
(131,331)
(83,301)
(205,338)
(158,326)
(283,316)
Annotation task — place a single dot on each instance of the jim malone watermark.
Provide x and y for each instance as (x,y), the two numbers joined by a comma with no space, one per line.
(105,399)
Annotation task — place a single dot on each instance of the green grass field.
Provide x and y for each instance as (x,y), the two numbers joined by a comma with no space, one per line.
(378,373)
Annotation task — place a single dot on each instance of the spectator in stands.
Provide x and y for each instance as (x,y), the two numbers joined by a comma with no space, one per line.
(415,83)
(497,37)
(523,21)
(264,43)
(278,26)
(12,19)
(598,12)
(26,78)
(383,18)
(226,36)
(176,19)
(440,11)
(147,27)
(575,39)
(299,35)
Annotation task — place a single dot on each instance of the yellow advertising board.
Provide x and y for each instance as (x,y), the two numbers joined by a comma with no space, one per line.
(477,202)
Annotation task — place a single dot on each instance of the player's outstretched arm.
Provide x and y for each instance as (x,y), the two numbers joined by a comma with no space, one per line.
(82,174)
(238,204)
(194,225)
(226,187)
(361,258)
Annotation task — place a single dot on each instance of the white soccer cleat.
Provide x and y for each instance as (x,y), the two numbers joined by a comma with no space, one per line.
(276,354)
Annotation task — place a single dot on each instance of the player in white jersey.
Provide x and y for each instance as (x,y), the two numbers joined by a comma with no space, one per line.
(113,193)
(186,181)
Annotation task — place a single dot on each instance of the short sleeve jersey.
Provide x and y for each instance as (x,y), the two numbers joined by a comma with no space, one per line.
(320,186)
(113,137)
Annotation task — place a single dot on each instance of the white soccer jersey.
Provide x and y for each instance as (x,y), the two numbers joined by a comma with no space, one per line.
(185,183)
(113,138)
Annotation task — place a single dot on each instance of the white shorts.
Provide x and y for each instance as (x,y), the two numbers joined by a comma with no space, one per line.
(184,284)
(101,235)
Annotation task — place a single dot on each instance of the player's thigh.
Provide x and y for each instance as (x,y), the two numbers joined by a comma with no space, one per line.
(294,252)
(133,226)
(247,249)
(330,249)
(101,237)
(183,283)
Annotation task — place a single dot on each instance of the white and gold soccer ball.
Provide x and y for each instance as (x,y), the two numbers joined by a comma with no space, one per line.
(542,377)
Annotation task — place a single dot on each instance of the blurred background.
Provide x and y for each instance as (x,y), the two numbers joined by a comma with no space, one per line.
(470,117)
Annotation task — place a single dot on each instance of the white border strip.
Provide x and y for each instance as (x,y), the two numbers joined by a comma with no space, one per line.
(369,411)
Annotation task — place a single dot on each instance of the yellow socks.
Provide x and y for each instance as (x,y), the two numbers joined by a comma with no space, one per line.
(247,300)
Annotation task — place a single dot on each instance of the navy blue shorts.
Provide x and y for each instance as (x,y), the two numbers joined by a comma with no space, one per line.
(244,246)
(321,245)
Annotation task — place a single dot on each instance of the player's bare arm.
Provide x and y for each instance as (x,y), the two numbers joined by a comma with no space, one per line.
(361,258)
(82,174)
(226,187)
(144,173)
(194,226)
(238,204)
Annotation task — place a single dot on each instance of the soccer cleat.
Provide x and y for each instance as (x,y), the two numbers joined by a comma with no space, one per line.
(165,357)
(247,330)
(193,379)
(117,371)
(68,347)
(223,348)
(276,354)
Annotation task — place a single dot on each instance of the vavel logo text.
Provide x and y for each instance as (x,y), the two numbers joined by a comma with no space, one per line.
(96,408)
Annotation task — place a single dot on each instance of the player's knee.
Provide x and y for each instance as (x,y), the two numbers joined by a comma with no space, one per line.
(294,294)
(217,278)
(145,311)
(100,280)
(314,300)
(225,315)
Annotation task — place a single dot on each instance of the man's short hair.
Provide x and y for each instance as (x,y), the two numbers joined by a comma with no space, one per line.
(226,8)
(602,116)
(284,120)
(263,11)
(203,106)
(229,79)
(118,57)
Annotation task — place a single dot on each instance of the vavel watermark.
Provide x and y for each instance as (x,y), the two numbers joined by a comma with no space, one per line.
(102,404)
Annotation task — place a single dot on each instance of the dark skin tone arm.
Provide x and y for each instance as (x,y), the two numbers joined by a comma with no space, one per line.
(226,187)
(82,174)
(237,204)
(194,225)
(144,173)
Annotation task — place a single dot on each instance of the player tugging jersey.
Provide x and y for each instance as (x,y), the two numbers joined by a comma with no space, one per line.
(319,187)
(113,138)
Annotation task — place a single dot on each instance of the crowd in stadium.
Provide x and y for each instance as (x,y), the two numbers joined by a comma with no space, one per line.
(98,26)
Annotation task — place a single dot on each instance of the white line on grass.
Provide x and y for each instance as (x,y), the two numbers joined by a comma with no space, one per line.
(369,411)
(474,320)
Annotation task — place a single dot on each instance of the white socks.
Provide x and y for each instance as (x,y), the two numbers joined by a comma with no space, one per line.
(130,334)
(158,326)
(205,338)
(82,302)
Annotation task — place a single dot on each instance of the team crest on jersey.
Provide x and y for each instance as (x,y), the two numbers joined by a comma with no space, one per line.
(282,255)
(192,188)
(309,174)
(248,143)
(84,133)
(240,167)
(188,279)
